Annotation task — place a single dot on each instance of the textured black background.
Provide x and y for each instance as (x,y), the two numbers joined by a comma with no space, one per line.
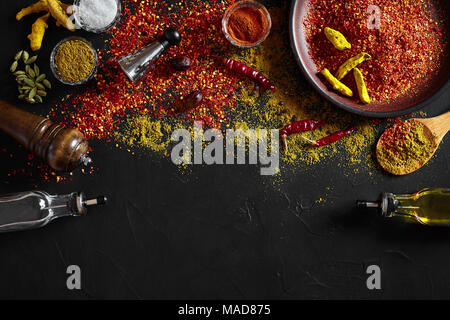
(219,232)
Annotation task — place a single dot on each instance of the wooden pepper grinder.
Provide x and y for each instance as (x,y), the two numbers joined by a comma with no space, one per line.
(64,149)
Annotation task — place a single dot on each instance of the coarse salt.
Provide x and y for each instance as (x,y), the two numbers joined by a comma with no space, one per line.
(97,14)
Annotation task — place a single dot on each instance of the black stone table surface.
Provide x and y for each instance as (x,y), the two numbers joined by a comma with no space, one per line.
(220,231)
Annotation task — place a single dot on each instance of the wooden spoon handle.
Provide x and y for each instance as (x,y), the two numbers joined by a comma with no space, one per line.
(440,125)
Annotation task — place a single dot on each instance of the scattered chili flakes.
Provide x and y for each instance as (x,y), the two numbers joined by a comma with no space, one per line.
(407,50)
(112,96)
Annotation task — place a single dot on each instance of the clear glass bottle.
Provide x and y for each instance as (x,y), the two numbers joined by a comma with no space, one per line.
(35,209)
(427,206)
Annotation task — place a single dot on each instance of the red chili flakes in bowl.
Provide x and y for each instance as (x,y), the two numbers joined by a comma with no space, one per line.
(406,50)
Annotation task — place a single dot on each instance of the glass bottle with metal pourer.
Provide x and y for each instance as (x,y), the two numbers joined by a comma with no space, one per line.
(427,206)
(35,209)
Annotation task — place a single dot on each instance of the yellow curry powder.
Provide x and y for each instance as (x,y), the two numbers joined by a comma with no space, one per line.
(141,131)
(405,147)
(74,60)
(294,97)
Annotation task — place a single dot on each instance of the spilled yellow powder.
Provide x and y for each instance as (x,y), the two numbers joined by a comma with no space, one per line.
(141,131)
(295,97)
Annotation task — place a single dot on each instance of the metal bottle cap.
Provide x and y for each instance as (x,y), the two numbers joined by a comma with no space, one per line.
(387,205)
(79,204)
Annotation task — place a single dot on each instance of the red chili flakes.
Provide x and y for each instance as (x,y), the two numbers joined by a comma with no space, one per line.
(398,133)
(405,52)
(110,96)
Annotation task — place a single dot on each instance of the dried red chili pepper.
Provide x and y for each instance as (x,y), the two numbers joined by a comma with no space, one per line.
(299,126)
(332,138)
(244,70)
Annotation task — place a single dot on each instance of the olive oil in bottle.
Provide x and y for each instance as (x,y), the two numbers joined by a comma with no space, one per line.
(427,206)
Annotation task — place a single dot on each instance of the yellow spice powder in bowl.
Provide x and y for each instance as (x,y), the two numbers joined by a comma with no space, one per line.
(74,61)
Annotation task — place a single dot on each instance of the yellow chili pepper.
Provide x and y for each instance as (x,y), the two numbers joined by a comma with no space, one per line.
(362,89)
(351,63)
(337,39)
(337,85)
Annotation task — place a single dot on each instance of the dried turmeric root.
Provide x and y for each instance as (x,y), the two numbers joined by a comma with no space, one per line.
(38,31)
(65,6)
(336,84)
(361,85)
(39,6)
(337,39)
(57,11)
(53,7)
(351,63)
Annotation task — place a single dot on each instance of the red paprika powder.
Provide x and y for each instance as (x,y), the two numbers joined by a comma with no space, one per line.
(247,24)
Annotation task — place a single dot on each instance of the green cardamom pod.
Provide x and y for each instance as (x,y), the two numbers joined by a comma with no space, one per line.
(25,56)
(36,69)
(38,98)
(40,77)
(41,93)
(22,97)
(40,86)
(13,66)
(29,82)
(30,100)
(30,71)
(47,84)
(18,55)
(31,60)
(32,93)
(21,78)
(19,73)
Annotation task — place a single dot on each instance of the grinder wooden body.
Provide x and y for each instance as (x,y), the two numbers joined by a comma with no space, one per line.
(64,149)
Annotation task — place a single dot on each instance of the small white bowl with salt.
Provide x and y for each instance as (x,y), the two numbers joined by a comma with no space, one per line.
(96,15)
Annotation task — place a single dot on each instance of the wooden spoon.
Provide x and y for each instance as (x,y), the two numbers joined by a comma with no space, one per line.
(434,130)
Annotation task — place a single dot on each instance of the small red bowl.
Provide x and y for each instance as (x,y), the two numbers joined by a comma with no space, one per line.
(243,4)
